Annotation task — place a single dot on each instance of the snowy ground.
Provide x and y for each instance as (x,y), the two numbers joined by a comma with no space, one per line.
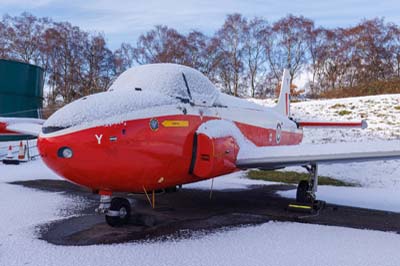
(273,243)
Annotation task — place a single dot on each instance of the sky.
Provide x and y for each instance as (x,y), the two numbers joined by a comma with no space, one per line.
(124,20)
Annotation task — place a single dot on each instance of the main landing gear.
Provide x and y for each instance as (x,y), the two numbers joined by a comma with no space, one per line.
(307,188)
(117,210)
(306,200)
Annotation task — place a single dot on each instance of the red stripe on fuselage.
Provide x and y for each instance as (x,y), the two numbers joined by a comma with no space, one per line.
(267,137)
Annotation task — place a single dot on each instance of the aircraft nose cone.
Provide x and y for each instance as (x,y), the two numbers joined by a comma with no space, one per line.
(42,145)
(56,153)
(76,156)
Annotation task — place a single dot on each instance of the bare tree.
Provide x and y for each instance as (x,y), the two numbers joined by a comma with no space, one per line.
(99,60)
(160,45)
(4,43)
(394,48)
(257,32)
(24,36)
(230,47)
(287,46)
(124,58)
(65,45)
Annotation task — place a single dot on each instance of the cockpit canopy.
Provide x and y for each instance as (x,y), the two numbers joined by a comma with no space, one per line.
(172,80)
(138,88)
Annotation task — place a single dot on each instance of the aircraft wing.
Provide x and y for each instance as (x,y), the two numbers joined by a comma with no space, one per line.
(306,154)
(17,126)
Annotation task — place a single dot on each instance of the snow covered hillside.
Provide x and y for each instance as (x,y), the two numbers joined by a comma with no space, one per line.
(382,113)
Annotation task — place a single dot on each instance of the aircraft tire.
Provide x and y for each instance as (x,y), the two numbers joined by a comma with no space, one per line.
(123,207)
(301,194)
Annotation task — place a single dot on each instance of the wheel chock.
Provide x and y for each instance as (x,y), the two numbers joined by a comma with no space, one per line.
(306,207)
(300,207)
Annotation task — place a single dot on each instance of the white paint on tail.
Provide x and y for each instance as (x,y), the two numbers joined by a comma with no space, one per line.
(283,105)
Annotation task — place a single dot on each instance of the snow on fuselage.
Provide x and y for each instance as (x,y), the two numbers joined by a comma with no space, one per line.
(133,137)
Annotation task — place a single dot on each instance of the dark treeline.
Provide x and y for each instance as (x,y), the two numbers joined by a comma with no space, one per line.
(243,57)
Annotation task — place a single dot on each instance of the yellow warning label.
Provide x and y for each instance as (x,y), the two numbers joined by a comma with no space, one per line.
(175,123)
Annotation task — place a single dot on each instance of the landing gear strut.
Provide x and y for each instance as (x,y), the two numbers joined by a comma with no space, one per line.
(306,200)
(307,188)
(116,210)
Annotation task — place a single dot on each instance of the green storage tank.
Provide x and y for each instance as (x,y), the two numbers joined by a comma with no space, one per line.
(21,90)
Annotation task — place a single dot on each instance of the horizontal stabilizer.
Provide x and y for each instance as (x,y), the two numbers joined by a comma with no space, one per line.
(26,128)
(361,124)
(15,126)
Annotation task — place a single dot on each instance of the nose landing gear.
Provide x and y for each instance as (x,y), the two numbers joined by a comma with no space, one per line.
(117,210)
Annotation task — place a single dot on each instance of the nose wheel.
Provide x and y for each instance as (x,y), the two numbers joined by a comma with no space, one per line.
(119,212)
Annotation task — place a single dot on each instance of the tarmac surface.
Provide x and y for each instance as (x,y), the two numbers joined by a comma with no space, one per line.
(189,212)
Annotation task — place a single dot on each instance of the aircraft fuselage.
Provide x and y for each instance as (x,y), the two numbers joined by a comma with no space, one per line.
(154,150)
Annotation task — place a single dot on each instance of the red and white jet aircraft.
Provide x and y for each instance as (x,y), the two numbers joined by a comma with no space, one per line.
(163,125)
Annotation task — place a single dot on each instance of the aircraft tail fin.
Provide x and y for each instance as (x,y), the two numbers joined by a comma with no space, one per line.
(283,105)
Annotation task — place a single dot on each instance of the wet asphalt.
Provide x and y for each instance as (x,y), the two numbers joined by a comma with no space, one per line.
(191,212)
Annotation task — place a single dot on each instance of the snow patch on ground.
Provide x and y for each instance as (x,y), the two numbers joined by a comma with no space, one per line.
(32,170)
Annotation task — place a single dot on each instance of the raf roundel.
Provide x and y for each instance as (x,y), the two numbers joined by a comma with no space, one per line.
(154,124)
(278,133)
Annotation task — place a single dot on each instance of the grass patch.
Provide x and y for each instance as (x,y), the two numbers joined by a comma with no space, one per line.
(381,115)
(294,178)
(344,112)
(338,105)
(295,101)
(397,107)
